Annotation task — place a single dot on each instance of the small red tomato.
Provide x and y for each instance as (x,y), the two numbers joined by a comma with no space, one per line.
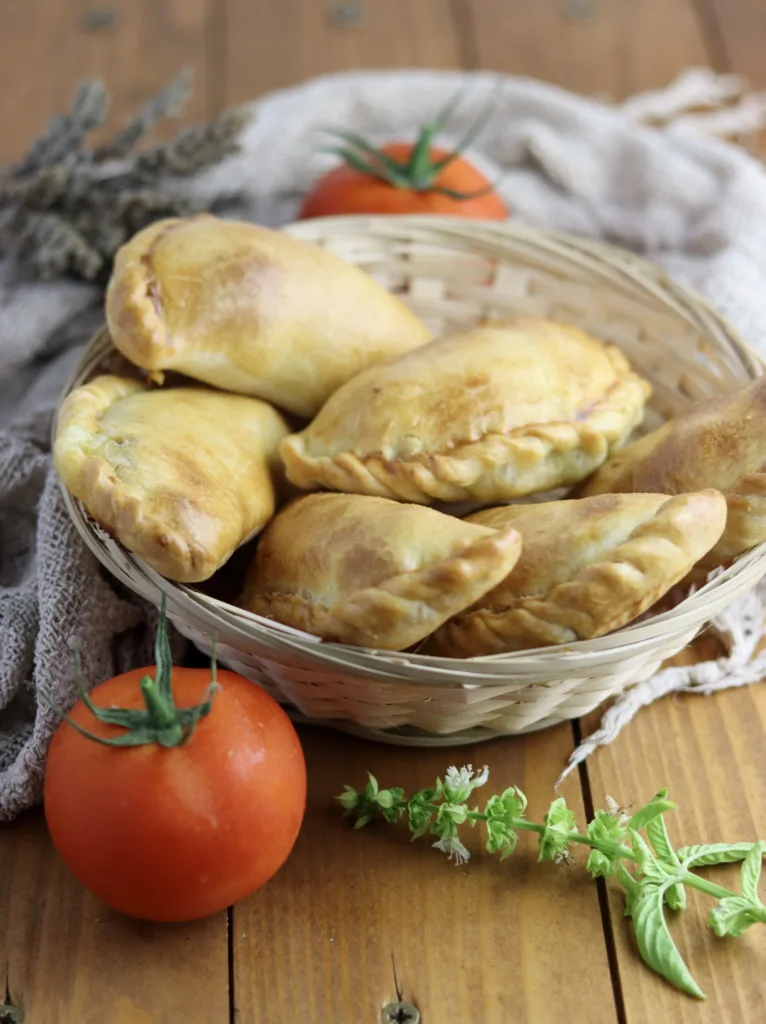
(459,190)
(405,178)
(189,821)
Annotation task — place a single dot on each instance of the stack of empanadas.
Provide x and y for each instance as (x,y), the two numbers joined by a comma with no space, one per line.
(389,420)
(183,476)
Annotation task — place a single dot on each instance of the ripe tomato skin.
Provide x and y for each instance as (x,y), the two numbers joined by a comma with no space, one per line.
(174,834)
(345,190)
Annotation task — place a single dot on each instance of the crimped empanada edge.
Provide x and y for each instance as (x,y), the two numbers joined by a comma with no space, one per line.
(118,510)
(133,304)
(567,613)
(745,521)
(404,609)
(478,469)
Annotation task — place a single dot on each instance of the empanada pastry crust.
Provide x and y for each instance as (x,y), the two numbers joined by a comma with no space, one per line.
(720,443)
(180,476)
(587,567)
(251,310)
(372,572)
(490,414)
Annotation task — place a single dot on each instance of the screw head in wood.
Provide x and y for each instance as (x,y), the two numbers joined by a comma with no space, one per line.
(346,14)
(578,10)
(400,1013)
(98,18)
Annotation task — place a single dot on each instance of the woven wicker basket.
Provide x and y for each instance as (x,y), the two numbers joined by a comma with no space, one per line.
(455,273)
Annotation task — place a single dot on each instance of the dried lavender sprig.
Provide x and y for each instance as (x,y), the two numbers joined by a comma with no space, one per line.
(66,133)
(167,103)
(68,209)
(195,148)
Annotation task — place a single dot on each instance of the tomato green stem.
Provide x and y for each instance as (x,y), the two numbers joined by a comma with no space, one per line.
(161,722)
(420,171)
(163,716)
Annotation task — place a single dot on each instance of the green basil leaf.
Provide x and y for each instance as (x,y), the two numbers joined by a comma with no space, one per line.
(713,853)
(559,823)
(599,865)
(656,806)
(348,799)
(655,943)
(734,915)
(656,830)
(420,829)
(606,826)
(751,872)
(648,863)
(675,896)
(657,833)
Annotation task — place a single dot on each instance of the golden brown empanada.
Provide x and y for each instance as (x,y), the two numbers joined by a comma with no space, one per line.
(720,443)
(490,414)
(180,476)
(251,310)
(372,572)
(587,567)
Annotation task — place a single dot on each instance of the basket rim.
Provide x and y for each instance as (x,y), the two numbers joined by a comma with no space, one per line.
(485,671)
(562,661)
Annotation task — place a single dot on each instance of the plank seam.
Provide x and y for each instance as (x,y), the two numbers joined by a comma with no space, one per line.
(230,963)
(465,34)
(216,58)
(603,897)
(712,35)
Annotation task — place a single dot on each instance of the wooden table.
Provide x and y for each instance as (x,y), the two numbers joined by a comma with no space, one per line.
(487,944)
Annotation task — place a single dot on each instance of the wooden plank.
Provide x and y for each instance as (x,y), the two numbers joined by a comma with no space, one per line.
(66,958)
(46,48)
(489,942)
(710,751)
(739,27)
(608,47)
(269,45)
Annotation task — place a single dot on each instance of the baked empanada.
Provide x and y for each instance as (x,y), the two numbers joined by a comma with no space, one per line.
(720,443)
(372,572)
(180,476)
(252,311)
(587,567)
(489,414)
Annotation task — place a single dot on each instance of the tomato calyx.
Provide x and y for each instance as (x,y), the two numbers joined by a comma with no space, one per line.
(420,171)
(160,721)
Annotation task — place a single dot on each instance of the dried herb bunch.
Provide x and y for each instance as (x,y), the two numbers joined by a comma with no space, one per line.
(66,208)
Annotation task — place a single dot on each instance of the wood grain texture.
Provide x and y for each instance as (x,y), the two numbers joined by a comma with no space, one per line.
(712,754)
(67,959)
(489,942)
(739,28)
(46,48)
(269,45)
(621,47)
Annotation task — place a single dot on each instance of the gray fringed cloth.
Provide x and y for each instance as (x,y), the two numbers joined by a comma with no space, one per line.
(694,205)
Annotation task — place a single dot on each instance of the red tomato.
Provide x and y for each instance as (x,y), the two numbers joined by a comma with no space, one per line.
(346,190)
(177,833)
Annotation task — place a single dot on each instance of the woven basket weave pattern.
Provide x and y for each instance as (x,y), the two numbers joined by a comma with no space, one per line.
(455,275)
